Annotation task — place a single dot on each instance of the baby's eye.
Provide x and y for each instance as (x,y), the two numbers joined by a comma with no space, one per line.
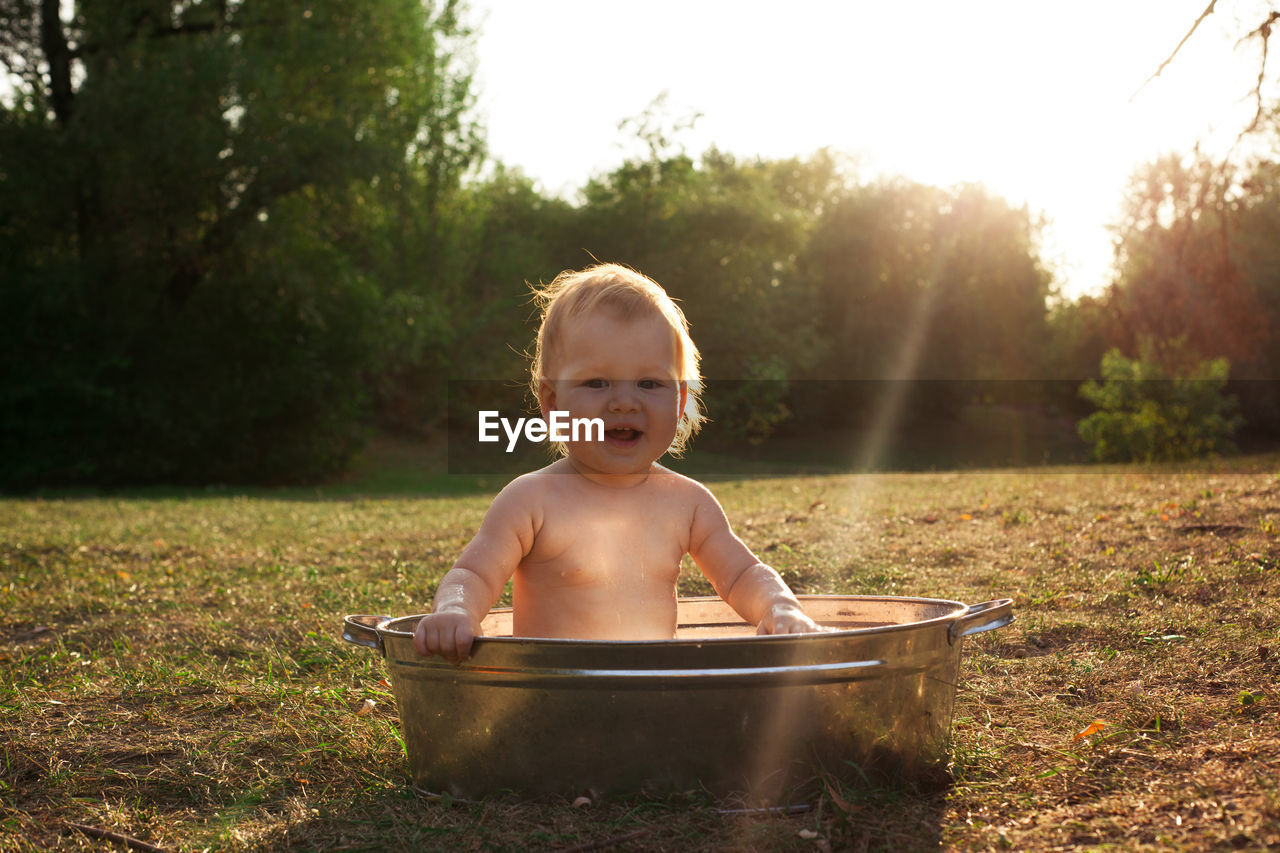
(650,384)
(595,383)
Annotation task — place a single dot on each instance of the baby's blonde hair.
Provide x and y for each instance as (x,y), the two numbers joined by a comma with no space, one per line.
(629,295)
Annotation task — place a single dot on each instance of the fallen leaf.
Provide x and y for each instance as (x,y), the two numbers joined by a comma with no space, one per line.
(581,802)
(930,519)
(807,834)
(1092,729)
(966,517)
(123,575)
(366,708)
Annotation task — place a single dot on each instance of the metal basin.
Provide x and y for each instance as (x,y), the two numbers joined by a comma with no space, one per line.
(717,708)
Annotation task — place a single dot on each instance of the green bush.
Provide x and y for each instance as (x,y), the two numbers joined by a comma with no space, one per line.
(1159,408)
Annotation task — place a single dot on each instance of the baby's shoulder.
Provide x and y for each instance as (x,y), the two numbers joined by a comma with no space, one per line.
(518,497)
(705,512)
(522,503)
(530,487)
(554,483)
(681,486)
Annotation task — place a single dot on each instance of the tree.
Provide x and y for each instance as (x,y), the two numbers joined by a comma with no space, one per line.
(189,290)
(1196,259)
(470,320)
(922,283)
(1195,248)
(1178,270)
(728,240)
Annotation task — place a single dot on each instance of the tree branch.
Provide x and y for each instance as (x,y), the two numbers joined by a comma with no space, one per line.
(192,266)
(1264,33)
(1163,65)
(158,29)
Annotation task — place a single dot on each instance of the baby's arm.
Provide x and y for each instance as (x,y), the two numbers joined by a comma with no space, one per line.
(475,582)
(754,590)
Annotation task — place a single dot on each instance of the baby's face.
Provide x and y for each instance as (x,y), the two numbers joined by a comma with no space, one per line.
(626,373)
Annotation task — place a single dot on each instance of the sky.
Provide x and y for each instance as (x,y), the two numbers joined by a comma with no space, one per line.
(1034,99)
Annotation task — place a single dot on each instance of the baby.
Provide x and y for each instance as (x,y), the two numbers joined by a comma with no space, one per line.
(595,539)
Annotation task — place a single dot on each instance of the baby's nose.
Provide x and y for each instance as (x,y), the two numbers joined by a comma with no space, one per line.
(623,398)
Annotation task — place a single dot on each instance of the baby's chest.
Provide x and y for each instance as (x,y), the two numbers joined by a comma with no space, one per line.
(607,547)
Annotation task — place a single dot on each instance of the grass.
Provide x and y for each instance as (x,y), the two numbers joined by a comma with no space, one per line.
(172,670)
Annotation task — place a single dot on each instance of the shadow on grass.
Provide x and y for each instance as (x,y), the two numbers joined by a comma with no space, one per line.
(383,818)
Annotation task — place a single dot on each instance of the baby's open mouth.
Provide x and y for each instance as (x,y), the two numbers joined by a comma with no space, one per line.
(623,433)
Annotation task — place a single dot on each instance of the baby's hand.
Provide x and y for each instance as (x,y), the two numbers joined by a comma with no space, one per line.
(448,634)
(786,619)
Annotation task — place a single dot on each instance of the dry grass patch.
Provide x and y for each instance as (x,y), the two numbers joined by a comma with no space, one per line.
(172,669)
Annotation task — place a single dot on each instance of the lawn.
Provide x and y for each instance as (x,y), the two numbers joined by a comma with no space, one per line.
(173,672)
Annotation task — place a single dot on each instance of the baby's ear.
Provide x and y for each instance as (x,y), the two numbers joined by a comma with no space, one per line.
(546,398)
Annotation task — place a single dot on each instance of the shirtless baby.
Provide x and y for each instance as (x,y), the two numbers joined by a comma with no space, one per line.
(595,539)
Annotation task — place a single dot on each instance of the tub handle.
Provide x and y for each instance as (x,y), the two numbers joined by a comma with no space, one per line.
(363,631)
(986,616)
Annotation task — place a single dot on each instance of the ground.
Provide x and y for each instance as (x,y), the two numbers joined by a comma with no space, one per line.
(172,670)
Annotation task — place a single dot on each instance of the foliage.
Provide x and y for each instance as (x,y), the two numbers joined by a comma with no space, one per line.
(191,289)
(917,282)
(1159,408)
(931,283)
(1196,258)
(727,239)
(1077,337)
(1178,262)
(243,233)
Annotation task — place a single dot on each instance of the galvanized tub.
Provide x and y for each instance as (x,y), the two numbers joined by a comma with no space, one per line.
(717,708)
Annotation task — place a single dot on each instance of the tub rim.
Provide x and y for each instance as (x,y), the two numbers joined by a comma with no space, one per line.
(962,619)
